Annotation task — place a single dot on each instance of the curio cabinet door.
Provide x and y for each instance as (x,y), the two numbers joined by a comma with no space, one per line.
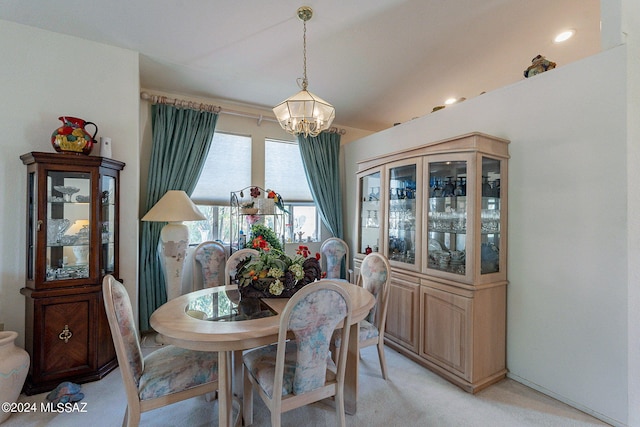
(448,211)
(371,215)
(403,181)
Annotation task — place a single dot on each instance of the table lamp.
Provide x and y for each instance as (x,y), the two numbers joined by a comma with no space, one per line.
(174,207)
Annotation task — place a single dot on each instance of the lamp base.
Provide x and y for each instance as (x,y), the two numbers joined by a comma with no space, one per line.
(174,240)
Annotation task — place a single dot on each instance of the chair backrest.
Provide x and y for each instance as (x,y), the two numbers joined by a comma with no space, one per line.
(123,330)
(209,259)
(375,275)
(313,314)
(334,252)
(234,259)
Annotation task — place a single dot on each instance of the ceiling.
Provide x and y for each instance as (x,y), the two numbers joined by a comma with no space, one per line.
(378,62)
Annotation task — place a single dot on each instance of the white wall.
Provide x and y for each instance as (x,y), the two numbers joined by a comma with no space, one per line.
(45,75)
(567,296)
(630,23)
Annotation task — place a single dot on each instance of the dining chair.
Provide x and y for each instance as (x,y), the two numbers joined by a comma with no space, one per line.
(209,259)
(334,252)
(167,375)
(229,278)
(234,259)
(375,276)
(297,372)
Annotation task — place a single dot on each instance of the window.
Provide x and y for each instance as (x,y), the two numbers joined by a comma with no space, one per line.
(284,173)
(225,171)
(216,183)
(215,227)
(303,219)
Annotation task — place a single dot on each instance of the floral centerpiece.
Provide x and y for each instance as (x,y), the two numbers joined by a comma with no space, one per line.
(274,274)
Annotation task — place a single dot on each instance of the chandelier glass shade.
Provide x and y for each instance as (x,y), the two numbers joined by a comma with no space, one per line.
(304,113)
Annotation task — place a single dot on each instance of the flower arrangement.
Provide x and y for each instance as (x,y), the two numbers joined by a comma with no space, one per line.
(274,274)
(266,233)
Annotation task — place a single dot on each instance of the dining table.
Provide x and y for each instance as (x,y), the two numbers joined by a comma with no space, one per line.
(217,319)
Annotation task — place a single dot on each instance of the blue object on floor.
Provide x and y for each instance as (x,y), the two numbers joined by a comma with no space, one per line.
(65,392)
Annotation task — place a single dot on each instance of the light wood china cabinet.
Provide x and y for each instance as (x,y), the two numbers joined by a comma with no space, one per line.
(439,213)
(71,244)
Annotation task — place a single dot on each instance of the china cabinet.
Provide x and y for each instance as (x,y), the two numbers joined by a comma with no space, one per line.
(71,244)
(441,210)
(256,207)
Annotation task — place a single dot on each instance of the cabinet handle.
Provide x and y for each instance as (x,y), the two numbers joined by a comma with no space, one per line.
(65,334)
(39,225)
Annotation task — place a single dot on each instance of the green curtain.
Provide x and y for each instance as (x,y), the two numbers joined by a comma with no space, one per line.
(321,160)
(181,141)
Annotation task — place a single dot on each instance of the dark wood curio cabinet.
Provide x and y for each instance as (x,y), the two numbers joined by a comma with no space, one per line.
(71,244)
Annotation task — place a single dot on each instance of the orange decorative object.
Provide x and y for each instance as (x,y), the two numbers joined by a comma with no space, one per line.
(72,137)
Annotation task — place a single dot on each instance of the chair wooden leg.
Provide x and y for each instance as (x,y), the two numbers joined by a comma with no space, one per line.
(247,399)
(237,372)
(339,400)
(383,360)
(275,417)
(131,418)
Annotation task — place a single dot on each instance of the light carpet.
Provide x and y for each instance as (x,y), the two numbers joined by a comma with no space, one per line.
(413,396)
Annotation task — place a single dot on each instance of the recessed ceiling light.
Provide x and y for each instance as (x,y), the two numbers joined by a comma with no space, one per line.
(564,36)
(450,101)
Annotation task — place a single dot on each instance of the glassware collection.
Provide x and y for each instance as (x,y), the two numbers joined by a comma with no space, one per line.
(389,210)
(370,213)
(402,213)
(68,225)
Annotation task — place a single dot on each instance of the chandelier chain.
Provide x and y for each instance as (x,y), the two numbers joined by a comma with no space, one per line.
(304,55)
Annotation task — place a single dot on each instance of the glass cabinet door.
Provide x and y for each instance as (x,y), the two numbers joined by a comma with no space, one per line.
(447,216)
(67,225)
(402,213)
(107,225)
(370,213)
(490,217)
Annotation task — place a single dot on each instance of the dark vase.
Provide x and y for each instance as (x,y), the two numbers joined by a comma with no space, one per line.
(260,288)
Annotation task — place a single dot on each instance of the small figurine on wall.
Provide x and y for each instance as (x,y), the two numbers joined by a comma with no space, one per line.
(539,64)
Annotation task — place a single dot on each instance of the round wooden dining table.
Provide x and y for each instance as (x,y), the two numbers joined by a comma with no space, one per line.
(185,322)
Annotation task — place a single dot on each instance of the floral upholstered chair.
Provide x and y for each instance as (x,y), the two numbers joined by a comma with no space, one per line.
(335,252)
(168,375)
(209,259)
(375,275)
(234,259)
(300,371)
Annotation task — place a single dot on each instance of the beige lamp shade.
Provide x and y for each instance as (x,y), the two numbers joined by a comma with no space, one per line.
(174,206)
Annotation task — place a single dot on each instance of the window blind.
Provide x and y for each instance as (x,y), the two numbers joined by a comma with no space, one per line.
(227,168)
(284,172)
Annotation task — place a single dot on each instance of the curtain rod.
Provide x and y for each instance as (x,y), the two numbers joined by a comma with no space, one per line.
(157,99)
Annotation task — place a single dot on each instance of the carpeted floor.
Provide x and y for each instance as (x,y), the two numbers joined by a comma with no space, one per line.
(413,396)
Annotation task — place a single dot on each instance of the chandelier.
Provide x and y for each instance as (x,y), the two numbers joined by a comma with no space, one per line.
(304,113)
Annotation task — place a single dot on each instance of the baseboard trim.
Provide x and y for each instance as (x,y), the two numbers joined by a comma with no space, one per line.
(565,400)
